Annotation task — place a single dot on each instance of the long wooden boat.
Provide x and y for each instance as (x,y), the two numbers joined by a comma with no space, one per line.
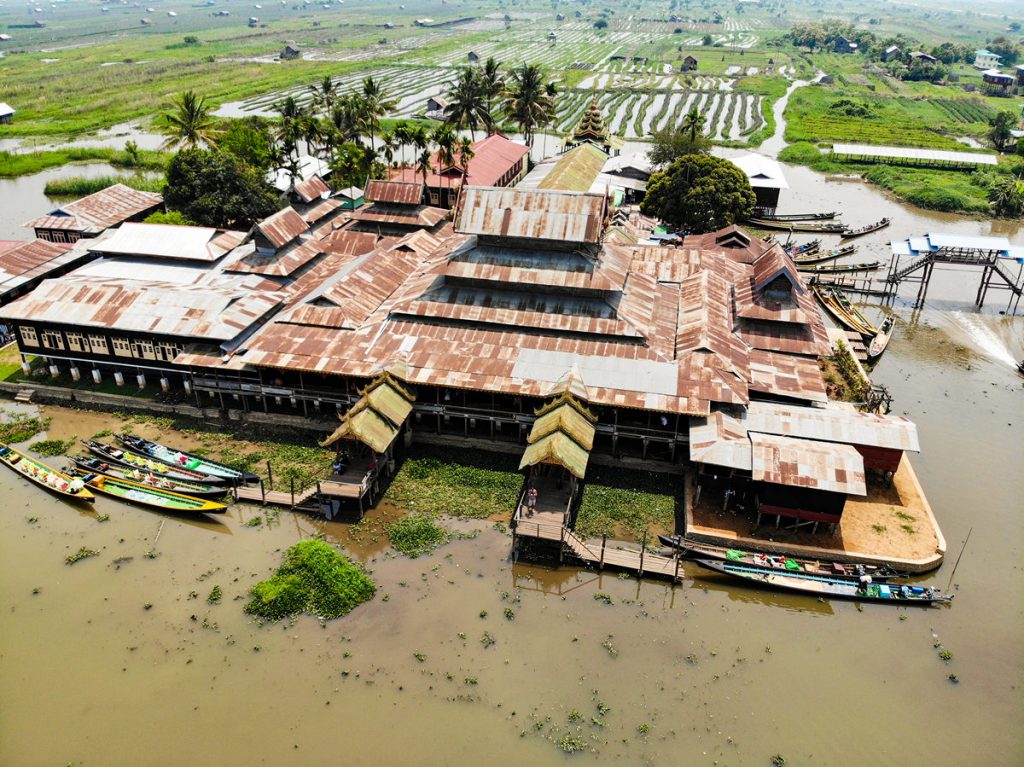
(778,563)
(847,234)
(862,266)
(116,456)
(802,250)
(178,458)
(152,497)
(195,489)
(827,586)
(881,339)
(45,476)
(799,216)
(845,313)
(828,255)
(797,226)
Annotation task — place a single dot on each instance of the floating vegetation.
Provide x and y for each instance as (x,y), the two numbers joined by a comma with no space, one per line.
(22,428)
(510,614)
(314,579)
(607,645)
(778,761)
(51,447)
(487,640)
(946,655)
(627,498)
(600,596)
(82,553)
(254,522)
(570,744)
(417,534)
(103,518)
(644,728)
(419,656)
(214,596)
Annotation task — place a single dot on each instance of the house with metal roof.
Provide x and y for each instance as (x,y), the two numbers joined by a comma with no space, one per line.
(985,59)
(93,214)
(25,264)
(766,179)
(6,113)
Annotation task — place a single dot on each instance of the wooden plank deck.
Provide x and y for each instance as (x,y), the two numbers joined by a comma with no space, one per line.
(327,488)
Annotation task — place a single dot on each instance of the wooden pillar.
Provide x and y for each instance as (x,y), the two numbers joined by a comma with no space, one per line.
(270,475)
(263,493)
(643,548)
(604,540)
(293,491)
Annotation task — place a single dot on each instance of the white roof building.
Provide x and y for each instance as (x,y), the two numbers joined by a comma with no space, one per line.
(762,171)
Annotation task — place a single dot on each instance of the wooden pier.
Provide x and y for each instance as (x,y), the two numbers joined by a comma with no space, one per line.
(995,274)
(324,496)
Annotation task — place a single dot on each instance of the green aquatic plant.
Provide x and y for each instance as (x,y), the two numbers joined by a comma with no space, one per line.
(82,553)
(570,744)
(51,447)
(600,596)
(416,534)
(214,596)
(314,579)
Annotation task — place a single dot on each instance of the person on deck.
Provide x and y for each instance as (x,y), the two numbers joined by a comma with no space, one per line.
(531,501)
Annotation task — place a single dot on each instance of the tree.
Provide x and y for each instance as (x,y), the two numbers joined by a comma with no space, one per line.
(174,217)
(693,124)
(188,122)
(529,101)
(1005,48)
(671,143)
(466,102)
(250,140)
(1001,125)
(1007,197)
(214,188)
(351,164)
(377,105)
(464,148)
(423,165)
(291,129)
(492,83)
(707,40)
(601,24)
(324,95)
(348,118)
(446,141)
(698,193)
(403,136)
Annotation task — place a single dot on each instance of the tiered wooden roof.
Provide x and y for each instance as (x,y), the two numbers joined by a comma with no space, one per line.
(563,433)
(591,129)
(378,414)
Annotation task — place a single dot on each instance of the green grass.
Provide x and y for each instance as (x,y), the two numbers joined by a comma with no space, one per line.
(313,579)
(455,482)
(13,165)
(10,363)
(627,500)
(80,186)
(417,534)
(772,88)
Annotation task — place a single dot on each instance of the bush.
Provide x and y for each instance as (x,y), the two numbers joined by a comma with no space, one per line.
(314,579)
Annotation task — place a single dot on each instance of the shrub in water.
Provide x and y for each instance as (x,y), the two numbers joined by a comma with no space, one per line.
(314,579)
(416,534)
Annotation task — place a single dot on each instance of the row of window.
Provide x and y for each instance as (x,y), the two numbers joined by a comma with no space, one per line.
(97,344)
(57,235)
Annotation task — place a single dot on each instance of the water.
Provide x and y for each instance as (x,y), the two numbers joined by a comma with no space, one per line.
(113,137)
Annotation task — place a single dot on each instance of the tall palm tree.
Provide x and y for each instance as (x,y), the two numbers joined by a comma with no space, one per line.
(466,107)
(403,137)
(420,138)
(423,164)
(492,83)
(324,95)
(349,117)
(446,139)
(377,105)
(387,145)
(188,122)
(292,127)
(693,124)
(529,100)
(464,147)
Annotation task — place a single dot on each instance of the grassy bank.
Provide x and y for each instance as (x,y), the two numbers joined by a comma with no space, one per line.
(14,165)
(624,503)
(79,186)
(943,190)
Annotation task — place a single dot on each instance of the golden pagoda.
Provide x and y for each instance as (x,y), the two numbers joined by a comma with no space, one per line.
(591,130)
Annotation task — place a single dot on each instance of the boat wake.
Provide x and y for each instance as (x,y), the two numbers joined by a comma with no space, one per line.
(983,337)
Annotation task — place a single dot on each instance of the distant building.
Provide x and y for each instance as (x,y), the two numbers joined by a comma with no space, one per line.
(842,45)
(306,167)
(689,64)
(90,215)
(473,56)
(6,113)
(1020,75)
(591,130)
(923,57)
(436,105)
(25,265)
(766,178)
(984,59)
(146,22)
(559,17)
(892,53)
(552,36)
(253,21)
(5,38)
(998,79)
(290,52)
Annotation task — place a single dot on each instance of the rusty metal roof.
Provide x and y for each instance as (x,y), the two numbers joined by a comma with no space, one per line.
(407,216)
(533,214)
(190,243)
(786,375)
(807,463)
(281,263)
(834,424)
(394,192)
(100,210)
(313,188)
(282,227)
(316,213)
(347,241)
(720,439)
(34,259)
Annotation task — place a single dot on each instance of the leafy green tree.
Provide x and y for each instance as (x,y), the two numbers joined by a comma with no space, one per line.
(466,102)
(601,24)
(492,83)
(1007,197)
(529,100)
(175,217)
(1001,125)
(1006,48)
(352,164)
(376,105)
(250,140)
(188,122)
(671,143)
(698,193)
(214,188)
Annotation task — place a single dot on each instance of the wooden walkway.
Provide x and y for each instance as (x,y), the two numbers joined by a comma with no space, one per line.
(326,489)
(548,526)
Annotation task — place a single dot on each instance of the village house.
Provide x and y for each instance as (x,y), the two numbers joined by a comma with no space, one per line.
(290,53)
(766,179)
(689,64)
(93,214)
(892,53)
(472,56)
(842,45)
(1020,75)
(6,113)
(923,57)
(23,265)
(984,59)
(998,80)
(436,106)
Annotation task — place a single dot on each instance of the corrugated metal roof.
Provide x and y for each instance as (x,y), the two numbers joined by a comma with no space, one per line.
(806,463)
(575,170)
(532,214)
(763,172)
(394,192)
(834,424)
(191,243)
(306,167)
(281,263)
(100,210)
(407,216)
(282,227)
(786,375)
(28,256)
(914,153)
(313,188)
(721,440)
(313,215)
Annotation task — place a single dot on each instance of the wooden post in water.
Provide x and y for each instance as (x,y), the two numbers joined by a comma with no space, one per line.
(561,543)
(643,547)
(263,493)
(293,490)
(604,540)
(270,475)
(675,575)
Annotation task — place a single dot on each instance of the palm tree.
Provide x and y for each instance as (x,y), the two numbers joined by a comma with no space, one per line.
(377,105)
(420,138)
(387,145)
(403,137)
(349,117)
(465,149)
(292,127)
(466,108)
(491,85)
(693,124)
(423,165)
(189,122)
(446,139)
(529,100)
(324,95)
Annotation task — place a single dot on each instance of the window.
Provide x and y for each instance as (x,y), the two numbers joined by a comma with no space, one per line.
(435,198)
(28,336)
(52,339)
(122,347)
(76,342)
(60,237)
(167,351)
(144,349)
(98,344)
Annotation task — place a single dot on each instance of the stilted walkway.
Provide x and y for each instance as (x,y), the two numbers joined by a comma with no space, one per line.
(319,496)
(995,274)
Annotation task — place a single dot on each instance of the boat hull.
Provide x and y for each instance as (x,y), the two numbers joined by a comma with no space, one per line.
(168,456)
(851,319)
(95,466)
(840,269)
(881,341)
(141,495)
(797,226)
(829,255)
(38,473)
(133,460)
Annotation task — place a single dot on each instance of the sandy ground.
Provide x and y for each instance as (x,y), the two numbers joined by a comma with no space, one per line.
(892,523)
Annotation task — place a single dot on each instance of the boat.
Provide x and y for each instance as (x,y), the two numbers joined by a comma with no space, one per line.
(116,456)
(777,562)
(181,459)
(152,497)
(847,234)
(798,216)
(828,255)
(881,339)
(797,226)
(806,249)
(195,489)
(845,313)
(863,266)
(45,476)
(828,586)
